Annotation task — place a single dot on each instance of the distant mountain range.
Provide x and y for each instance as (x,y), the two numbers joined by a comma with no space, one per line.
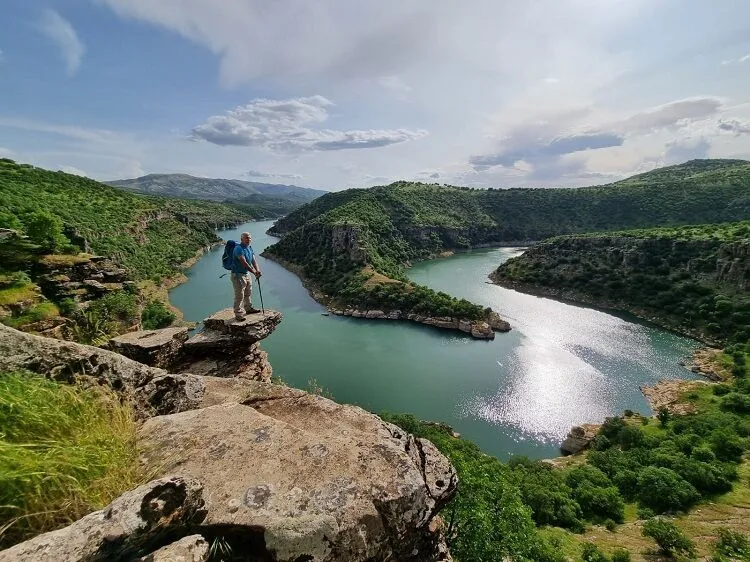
(191,187)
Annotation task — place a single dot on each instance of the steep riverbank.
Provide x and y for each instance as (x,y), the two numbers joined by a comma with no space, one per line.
(692,280)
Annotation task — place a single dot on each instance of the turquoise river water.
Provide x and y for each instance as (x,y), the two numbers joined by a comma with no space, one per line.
(561,365)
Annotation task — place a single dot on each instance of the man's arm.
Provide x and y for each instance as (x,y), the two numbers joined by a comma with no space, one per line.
(257,269)
(244,263)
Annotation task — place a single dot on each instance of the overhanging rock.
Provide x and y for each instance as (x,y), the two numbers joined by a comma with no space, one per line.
(225,348)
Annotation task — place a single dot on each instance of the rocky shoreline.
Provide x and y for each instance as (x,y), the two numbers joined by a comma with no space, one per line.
(666,393)
(477,329)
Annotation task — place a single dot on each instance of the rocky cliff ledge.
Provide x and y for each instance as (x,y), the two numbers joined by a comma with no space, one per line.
(225,347)
(270,472)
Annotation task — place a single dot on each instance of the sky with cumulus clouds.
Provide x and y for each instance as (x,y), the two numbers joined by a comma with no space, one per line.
(348,93)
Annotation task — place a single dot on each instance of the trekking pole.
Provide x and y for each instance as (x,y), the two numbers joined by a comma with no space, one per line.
(260,292)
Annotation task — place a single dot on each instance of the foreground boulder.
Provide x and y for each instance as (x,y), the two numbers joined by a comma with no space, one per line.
(151,391)
(157,348)
(131,525)
(293,476)
(579,438)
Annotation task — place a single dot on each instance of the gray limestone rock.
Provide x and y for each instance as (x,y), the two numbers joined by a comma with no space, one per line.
(158,348)
(320,481)
(193,548)
(127,527)
(67,361)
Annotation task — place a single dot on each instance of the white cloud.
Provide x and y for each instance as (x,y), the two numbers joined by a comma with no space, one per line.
(738,60)
(70,131)
(6,152)
(734,126)
(73,170)
(671,114)
(280,125)
(61,32)
(551,80)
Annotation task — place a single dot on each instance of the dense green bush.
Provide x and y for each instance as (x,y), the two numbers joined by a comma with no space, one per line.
(488,519)
(591,553)
(670,539)
(664,491)
(156,315)
(732,544)
(620,555)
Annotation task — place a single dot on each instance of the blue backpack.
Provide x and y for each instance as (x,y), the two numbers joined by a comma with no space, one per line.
(227,256)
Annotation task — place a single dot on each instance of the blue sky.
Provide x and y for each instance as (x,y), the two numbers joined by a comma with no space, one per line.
(347,93)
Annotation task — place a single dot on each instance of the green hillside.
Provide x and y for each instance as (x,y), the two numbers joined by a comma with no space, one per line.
(694,279)
(149,236)
(335,236)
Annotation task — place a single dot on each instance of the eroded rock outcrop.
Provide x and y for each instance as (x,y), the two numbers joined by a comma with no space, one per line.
(318,480)
(670,394)
(157,348)
(579,438)
(152,391)
(130,526)
(226,347)
(81,278)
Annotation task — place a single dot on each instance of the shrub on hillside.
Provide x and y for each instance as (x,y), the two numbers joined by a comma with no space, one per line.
(732,544)
(664,491)
(670,539)
(156,315)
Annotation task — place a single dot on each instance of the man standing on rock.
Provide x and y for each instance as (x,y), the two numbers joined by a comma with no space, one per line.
(243,262)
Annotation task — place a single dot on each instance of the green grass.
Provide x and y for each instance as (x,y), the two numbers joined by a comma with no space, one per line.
(64,451)
(15,294)
(38,312)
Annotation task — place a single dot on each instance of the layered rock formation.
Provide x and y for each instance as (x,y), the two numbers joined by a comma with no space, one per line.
(303,477)
(267,472)
(136,521)
(81,278)
(579,437)
(152,391)
(225,347)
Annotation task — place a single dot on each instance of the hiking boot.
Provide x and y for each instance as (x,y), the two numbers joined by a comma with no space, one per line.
(239,317)
(253,311)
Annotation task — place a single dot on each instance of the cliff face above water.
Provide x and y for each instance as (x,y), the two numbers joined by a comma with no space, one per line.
(274,473)
(692,279)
